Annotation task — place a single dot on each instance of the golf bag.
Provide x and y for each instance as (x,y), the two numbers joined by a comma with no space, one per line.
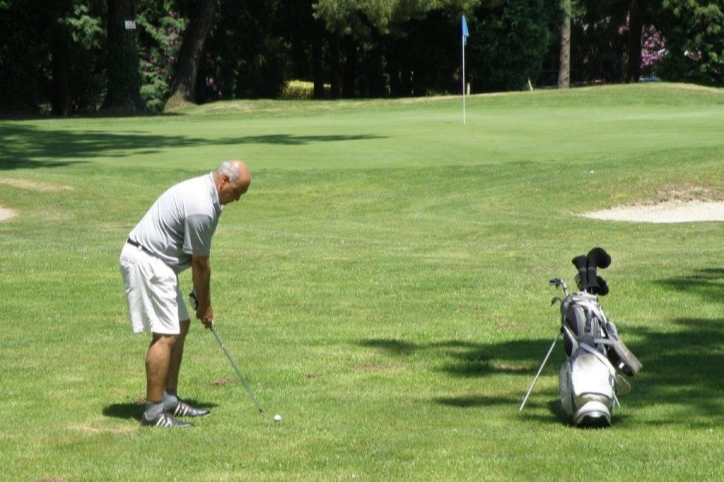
(591,378)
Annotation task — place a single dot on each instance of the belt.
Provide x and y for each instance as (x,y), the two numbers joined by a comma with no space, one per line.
(137,245)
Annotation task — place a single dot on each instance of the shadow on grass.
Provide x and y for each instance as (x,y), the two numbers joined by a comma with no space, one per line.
(24,146)
(681,368)
(706,283)
(126,411)
(134,410)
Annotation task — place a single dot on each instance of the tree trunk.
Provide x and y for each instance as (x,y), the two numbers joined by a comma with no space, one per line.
(334,53)
(317,68)
(350,68)
(317,64)
(317,37)
(192,46)
(124,79)
(62,103)
(564,68)
(636,23)
(393,71)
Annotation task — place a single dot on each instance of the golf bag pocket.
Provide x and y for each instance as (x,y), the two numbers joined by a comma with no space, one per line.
(581,317)
(574,322)
(622,358)
(618,354)
(587,387)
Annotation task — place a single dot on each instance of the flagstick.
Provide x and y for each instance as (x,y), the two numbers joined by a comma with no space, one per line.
(463,42)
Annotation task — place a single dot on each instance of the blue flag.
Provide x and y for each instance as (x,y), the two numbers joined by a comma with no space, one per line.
(466,34)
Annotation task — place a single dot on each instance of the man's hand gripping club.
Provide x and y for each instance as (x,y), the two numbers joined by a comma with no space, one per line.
(206,316)
(201,276)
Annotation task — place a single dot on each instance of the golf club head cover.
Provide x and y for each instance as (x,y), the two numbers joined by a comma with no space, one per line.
(581,264)
(596,258)
(592,278)
(599,257)
(601,288)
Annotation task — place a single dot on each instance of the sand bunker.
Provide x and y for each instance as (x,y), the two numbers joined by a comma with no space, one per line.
(667,212)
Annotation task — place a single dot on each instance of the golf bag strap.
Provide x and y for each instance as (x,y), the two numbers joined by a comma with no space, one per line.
(588,302)
(574,339)
(594,308)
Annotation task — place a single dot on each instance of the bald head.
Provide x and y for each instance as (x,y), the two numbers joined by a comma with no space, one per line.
(232,179)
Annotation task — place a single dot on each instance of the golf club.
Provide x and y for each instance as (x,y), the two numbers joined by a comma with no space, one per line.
(238,372)
(193,301)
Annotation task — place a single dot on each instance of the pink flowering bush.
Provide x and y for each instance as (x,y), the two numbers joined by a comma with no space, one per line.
(653,46)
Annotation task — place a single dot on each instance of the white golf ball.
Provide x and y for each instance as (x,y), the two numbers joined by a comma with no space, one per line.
(277,418)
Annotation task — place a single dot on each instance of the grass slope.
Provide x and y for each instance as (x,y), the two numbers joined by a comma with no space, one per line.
(383,286)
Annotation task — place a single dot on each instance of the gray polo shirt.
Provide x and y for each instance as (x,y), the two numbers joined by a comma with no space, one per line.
(181,222)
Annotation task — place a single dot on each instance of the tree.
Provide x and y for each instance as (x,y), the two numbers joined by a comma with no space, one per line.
(23,55)
(598,46)
(397,37)
(511,42)
(62,102)
(637,10)
(694,42)
(564,68)
(184,82)
(124,80)
(247,51)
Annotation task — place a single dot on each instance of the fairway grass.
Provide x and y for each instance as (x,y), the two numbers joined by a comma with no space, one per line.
(383,286)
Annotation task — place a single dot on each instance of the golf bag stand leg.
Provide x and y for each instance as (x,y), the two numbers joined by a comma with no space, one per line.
(545,360)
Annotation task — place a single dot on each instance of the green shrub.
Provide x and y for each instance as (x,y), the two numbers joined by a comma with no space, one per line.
(297,90)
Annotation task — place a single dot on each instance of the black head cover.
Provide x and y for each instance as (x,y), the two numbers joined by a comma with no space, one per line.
(601,287)
(599,258)
(581,265)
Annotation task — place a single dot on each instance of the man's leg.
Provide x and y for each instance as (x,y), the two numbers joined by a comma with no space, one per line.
(158,360)
(176,357)
(170,397)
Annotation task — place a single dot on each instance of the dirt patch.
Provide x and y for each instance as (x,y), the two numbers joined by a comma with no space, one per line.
(666,212)
(6,213)
(34,185)
(223,381)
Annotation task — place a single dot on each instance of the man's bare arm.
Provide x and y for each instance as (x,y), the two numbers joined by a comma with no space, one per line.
(201,276)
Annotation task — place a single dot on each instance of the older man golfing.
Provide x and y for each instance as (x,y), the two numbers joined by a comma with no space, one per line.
(175,234)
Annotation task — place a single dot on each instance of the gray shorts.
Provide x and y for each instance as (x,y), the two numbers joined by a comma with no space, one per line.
(155,302)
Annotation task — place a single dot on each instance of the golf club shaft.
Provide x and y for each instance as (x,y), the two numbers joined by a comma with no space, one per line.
(238,373)
(539,370)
